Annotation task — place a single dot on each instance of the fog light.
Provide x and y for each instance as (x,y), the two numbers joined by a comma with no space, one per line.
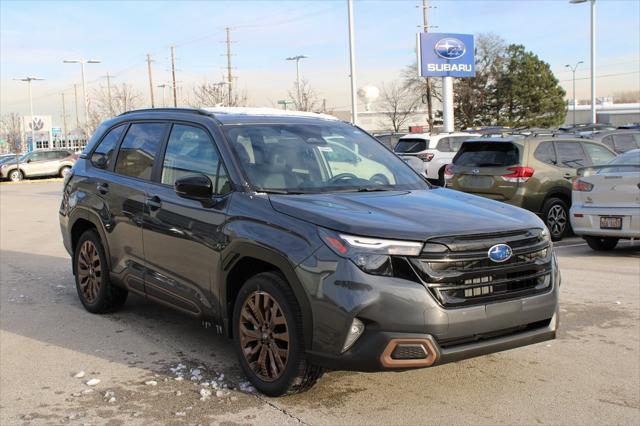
(355,331)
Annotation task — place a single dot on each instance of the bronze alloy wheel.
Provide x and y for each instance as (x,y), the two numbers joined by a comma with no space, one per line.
(264,336)
(89,271)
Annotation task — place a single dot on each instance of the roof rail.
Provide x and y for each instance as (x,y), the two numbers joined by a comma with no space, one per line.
(184,110)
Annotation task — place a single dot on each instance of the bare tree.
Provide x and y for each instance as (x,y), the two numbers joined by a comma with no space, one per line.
(626,97)
(11,130)
(429,89)
(398,103)
(309,99)
(215,94)
(124,97)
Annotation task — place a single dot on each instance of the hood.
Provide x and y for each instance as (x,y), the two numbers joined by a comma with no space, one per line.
(406,215)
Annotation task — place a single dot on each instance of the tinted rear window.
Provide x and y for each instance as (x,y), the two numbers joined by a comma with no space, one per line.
(411,145)
(487,154)
(624,142)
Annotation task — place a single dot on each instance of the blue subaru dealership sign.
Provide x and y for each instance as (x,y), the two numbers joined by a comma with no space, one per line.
(447,55)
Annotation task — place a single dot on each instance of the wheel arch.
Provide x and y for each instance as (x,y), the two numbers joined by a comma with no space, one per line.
(247,260)
(81,221)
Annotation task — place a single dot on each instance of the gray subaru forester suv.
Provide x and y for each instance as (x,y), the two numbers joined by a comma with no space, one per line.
(247,219)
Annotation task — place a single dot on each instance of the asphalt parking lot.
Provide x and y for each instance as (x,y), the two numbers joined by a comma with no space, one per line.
(589,375)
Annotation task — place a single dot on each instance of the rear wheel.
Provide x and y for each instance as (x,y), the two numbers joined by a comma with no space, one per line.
(555,213)
(602,243)
(268,337)
(15,175)
(95,290)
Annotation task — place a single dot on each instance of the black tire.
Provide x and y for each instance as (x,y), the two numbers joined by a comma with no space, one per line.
(108,297)
(64,170)
(602,243)
(15,175)
(298,374)
(555,213)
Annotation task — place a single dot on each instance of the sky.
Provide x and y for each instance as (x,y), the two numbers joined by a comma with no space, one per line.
(36,36)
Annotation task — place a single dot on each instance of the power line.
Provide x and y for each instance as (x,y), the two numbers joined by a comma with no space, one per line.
(603,75)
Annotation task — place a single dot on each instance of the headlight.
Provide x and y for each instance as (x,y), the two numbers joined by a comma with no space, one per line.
(372,255)
(545,235)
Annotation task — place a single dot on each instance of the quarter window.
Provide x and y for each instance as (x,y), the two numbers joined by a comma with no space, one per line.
(103,155)
(608,141)
(624,142)
(443,145)
(190,151)
(545,153)
(571,155)
(138,150)
(599,154)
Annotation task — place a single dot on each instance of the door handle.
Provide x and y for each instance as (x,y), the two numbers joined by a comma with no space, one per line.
(154,203)
(102,187)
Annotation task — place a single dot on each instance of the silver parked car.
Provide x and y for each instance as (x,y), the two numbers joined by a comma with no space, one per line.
(39,163)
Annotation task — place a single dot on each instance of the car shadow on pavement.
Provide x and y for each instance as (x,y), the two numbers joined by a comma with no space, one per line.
(38,300)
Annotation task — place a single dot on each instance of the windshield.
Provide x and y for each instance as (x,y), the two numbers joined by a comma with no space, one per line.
(312,158)
(410,145)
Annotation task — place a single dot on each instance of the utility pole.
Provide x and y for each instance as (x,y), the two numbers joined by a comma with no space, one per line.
(163,86)
(229,76)
(173,76)
(109,77)
(75,95)
(64,122)
(425,28)
(352,65)
(153,104)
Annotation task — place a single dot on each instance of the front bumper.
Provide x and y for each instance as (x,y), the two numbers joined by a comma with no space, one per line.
(393,308)
(587,221)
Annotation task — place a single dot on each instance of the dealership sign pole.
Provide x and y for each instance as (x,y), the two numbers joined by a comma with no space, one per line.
(447,56)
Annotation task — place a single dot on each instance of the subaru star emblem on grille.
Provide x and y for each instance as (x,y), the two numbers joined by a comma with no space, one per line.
(475,171)
(500,253)
(450,48)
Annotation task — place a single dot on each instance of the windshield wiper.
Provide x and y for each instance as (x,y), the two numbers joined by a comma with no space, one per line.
(361,189)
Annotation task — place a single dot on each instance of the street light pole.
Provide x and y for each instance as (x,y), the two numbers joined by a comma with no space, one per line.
(83,61)
(593,56)
(352,65)
(573,70)
(297,59)
(163,86)
(28,80)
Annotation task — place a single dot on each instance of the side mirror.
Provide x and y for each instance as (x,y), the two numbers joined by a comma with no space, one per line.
(197,187)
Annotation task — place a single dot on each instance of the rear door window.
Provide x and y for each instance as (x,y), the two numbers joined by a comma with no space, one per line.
(546,153)
(599,154)
(487,154)
(624,142)
(408,146)
(571,155)
(138,150)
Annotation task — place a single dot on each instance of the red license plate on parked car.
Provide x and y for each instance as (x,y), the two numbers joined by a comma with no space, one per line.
(610,222)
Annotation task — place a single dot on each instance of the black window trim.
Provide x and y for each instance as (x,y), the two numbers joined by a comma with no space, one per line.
(156,175)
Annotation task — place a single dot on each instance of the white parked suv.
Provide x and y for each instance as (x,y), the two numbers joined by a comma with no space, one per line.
(435,151)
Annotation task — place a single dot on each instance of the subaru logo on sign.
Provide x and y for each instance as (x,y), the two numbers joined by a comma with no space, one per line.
(450,48)
(500,253)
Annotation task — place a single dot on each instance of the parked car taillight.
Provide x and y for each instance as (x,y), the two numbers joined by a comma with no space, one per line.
(448,171)
(582,186)
(520,174)
(426,156)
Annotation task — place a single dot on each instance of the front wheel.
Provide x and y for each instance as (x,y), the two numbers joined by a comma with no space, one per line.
(64,171)
(268,337)
(555,213)
(602,243)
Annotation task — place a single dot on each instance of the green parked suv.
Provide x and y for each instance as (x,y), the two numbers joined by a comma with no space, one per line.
(534,173)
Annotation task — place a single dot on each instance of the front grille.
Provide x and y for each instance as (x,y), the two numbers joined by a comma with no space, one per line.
(458,272)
